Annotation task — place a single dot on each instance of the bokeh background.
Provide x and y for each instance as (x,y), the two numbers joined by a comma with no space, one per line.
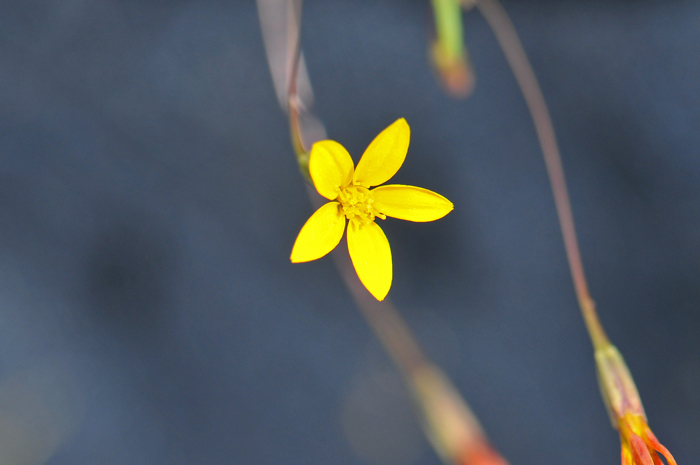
(149,200)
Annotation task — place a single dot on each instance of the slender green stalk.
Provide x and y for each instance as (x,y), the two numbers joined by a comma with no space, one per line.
(448,22)
(448,53)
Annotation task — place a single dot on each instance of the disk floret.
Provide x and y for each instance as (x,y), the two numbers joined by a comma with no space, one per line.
(356,202)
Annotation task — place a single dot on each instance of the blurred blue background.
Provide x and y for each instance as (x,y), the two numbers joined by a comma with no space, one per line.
(149,200)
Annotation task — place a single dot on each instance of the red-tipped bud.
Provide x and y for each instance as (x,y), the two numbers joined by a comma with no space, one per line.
(449,423)
(639,445)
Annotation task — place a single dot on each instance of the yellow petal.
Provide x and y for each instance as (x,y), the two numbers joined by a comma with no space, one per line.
(320,234)
(410,203)
(371,257)
(385,155)
(330,167)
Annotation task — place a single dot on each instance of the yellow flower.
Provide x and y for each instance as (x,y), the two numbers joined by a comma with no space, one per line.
(639,445)
(349,189)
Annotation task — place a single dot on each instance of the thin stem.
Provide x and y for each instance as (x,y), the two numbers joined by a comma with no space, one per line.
(384,319)
(448,421)
(513,50)
(448,22)
(448,53)
(293,100)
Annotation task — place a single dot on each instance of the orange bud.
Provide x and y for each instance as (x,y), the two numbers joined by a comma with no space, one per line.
(449,423)
(639,445)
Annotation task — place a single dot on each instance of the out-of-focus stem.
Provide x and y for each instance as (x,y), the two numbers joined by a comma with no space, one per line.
(448,422)
(448,22)
(383,318)
(280,21)
(294,104)
(448,52)
(508,39)
(295,129)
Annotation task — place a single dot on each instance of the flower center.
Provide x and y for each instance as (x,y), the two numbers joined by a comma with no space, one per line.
(357,204)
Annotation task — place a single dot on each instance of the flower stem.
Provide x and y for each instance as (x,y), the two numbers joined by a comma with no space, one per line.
(448,53)
(447,420)
(513,50)
(294,103)
(449,423)
(383,318)
(617,386)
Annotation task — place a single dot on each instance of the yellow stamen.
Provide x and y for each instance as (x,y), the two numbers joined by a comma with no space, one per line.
(356,202)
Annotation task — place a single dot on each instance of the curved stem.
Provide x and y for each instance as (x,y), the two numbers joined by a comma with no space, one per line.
(384,319)
(513,50)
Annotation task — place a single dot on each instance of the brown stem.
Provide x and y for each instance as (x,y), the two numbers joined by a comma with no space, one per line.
(383,317)
(513,50)
(294,53)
